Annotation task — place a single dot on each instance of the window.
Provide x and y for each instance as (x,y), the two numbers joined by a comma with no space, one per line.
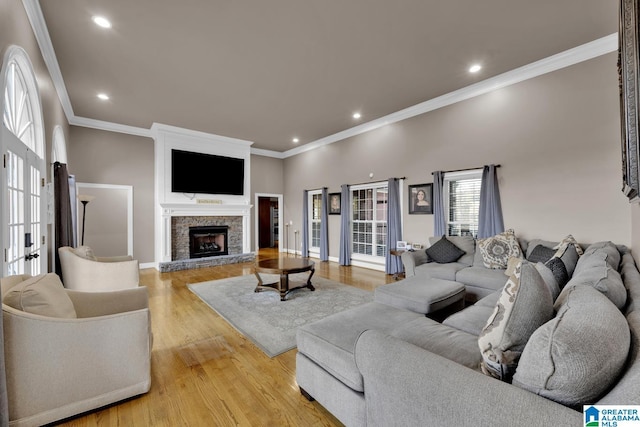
(315,201)
(369,225)
(462,202)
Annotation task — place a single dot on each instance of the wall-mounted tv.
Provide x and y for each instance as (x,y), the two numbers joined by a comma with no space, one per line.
(206,173)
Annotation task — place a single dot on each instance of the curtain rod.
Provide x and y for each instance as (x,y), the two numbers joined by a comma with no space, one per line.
(462,170)
(362,183)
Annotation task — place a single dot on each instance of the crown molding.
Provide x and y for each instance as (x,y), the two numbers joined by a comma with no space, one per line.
(34,13)
(109,126)
(561,60)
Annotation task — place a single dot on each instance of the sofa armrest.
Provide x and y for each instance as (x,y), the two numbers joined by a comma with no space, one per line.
(93,304)
(412,259)
(407,385)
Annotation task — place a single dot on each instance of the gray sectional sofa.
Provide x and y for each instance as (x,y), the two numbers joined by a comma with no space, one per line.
(382,364)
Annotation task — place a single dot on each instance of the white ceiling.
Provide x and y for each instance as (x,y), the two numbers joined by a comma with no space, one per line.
(269,71)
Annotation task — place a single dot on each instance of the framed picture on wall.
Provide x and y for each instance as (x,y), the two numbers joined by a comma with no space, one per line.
(334,203)
(420,199)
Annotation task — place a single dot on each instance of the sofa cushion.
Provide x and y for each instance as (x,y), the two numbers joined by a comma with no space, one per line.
(444,251)
(611,250)
(497,250)
(524,304)
(474,318)
(420,294)
(440,271)
(43,295)
(576,356)
(596,272)
(453,344)
(482,277)
(330,342)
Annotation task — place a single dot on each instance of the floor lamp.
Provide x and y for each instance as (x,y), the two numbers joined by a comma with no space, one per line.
(84,199)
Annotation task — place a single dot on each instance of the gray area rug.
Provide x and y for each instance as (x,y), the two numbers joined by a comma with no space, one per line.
(270,323)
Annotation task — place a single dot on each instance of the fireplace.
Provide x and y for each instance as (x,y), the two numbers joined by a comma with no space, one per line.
(206,241)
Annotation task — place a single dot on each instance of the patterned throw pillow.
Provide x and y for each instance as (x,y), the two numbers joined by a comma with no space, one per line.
(524,305)
(564,243)
(443,251)
(497,250)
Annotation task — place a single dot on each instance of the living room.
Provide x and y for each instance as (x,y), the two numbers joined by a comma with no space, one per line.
(556,136)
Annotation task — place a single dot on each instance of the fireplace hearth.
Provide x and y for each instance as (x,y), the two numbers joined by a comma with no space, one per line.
(206,241)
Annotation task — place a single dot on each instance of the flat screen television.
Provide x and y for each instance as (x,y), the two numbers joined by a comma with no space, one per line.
(206,173)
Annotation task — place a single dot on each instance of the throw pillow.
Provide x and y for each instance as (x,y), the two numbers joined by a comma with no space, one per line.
(568,241)
(598,337)
(549,279)
(497,250)
(43,295)
(541,253)
(443,251)
(559,271)
(524,304)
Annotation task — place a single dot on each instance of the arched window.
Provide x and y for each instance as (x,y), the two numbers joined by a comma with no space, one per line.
(21,139)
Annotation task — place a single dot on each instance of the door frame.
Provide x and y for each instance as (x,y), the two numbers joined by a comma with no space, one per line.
(256,234)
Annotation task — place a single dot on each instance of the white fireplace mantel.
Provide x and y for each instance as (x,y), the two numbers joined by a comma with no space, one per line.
(170,204)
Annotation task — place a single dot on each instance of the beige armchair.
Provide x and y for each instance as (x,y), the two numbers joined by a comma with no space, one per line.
(68,352)
(83,271)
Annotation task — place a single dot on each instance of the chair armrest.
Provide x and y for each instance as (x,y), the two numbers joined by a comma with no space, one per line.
(93,304)
(88,275)
(412,259)
(407,385)
(67,366)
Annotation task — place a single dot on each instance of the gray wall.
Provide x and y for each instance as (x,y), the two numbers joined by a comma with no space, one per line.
(557,138)
(101,157)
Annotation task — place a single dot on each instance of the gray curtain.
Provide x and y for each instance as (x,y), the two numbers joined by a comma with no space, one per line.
(345,226)
(490,220)
(305,223)
(4,404)
(62,205)
(324,226)
(393,264)
(439,223)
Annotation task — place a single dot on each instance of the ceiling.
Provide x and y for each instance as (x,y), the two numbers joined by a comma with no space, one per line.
(269,71)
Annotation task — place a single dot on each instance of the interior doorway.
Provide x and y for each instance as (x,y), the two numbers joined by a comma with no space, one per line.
(268,221)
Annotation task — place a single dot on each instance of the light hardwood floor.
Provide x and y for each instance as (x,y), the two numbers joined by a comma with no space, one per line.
(205,373)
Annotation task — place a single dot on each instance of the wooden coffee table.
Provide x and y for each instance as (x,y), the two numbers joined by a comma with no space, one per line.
(283,267)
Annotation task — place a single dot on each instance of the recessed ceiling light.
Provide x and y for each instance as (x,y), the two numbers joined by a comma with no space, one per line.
(475,68)
(296,140)
(102,21)
(357,115)
(103,96)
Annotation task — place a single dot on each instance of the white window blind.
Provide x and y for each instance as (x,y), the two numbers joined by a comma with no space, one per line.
(462,202)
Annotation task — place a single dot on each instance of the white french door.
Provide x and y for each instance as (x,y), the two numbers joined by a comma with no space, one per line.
(22,225)
(24,243)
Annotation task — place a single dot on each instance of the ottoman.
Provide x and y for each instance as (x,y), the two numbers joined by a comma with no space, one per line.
(420,294)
